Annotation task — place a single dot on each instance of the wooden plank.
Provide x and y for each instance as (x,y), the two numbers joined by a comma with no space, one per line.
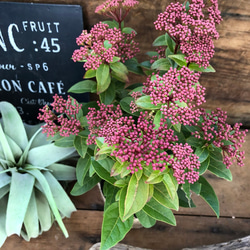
(85,227)
(241,243)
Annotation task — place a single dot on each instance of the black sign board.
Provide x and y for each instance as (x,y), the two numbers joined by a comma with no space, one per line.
(36,45)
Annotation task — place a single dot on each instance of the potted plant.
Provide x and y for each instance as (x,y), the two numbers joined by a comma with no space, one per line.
(31,169)
(148,144)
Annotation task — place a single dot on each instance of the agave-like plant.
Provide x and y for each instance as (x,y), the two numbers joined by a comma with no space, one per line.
(31,197)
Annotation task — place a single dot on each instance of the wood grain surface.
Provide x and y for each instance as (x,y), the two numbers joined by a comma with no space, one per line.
(85,227)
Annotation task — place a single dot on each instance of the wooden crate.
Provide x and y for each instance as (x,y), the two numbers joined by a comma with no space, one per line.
(228,88)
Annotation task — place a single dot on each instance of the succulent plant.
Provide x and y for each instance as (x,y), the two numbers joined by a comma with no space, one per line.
(31,169)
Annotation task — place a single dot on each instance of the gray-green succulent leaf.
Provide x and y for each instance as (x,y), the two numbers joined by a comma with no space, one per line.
(31,166)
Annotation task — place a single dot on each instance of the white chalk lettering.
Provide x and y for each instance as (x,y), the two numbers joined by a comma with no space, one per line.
(28,101)
(46,88)
(37,66)
(11,37)
(12,85)
(2,42)
(60,86)
(40,26)
(30,84)
(7,67)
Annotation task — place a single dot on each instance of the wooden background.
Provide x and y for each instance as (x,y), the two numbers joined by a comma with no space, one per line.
(229,89)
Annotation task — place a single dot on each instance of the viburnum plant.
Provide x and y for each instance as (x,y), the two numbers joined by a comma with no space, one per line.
(149,143)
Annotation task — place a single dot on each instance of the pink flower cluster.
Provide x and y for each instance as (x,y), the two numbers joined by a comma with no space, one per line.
(179,93)
(133,107)
(215,130)
(138,143)
(102,44)
(66,123)
(193,30)
(97,118)
(186,164)
(114,8)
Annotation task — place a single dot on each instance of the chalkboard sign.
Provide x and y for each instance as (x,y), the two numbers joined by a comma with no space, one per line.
(36,45)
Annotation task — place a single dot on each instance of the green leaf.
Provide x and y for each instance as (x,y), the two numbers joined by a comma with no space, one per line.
(108,95)
(4,190)
(187,191)
(43,210)
(196,67)
(100,141)
(208,194)
(125,105)
(82,87)
(47,192)
(152,53)
(62,200)
(13,122)
(138,89)
(16,150)
(160,41)
(118,167)
(107,44)
(133,66)
(63,172)
(159,212)
(203,153)
(177,127)
(103,173)
(171,184)
(196,187)
(146,103)
(216,154)
(88,184)
(136,196)
(80,145)
(157,119)
(170,43)
(179,59)
(5,178)
(90,73)
(128,30)
(21,188)
(3,205)
(5,147)
(82,168)
(119,67)
(115,59)
(195,142)
(219,169)
(65,142)
(204,166)
(183,201)
(146,64)
(120,76)
(187,6)
(155,177)
(109,192)
(103,78)
(162,196)
(161,64)
(145,219)
(113,228)
(31,221)
(112,24)
(36,156)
